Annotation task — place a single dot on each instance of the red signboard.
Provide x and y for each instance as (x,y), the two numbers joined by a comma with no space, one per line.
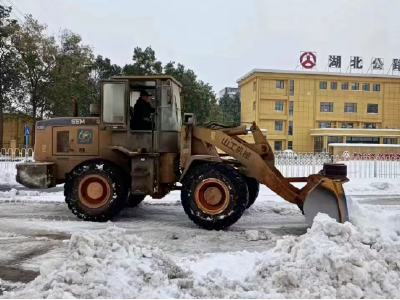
(308,60)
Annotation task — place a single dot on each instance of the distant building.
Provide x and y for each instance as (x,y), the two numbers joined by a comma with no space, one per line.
(13,129)
(231,91)
(307,111)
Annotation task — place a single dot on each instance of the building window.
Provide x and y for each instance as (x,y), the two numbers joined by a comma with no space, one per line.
(333,85)
(290,145)
(254,105)
(376,87)
(278,125)
(355,86)
(318,143)
(389,140)
(362,140)
(254,86)
(326,107)
(324,124)
(323,85)
(279,105)
(366,87)
(279,84)
(291,88)
(372,109)
(278,145)
(290,108)
(350,107)
(290,131)
(345,85)
(347,125)
(335,139)
(369,125)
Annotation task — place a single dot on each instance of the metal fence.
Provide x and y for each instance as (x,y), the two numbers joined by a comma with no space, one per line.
(358,165)
(290,164)
(10,157)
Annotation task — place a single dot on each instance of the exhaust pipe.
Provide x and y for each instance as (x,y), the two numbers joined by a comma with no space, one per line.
(74,106)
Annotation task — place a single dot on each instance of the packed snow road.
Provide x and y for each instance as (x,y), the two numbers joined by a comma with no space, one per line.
(36,227)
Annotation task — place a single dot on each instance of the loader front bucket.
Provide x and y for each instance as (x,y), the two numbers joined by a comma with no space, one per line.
(328,197)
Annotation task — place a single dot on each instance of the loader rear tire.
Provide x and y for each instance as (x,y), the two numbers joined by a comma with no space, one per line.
(214,195)
(254,188)
(95,192)
(134,200)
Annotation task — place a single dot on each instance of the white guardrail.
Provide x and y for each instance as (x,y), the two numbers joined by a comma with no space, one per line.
(9,157)
(290,164)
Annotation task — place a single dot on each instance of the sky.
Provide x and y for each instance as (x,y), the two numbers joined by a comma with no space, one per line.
(222,40)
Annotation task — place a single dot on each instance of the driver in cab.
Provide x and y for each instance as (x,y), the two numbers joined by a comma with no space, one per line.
(141,117)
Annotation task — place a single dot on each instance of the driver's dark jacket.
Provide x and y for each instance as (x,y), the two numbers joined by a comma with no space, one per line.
(140,120)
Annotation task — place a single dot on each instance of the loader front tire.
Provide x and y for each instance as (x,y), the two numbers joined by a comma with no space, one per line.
(254,188)
(134,200)
(214,195)
(95,192)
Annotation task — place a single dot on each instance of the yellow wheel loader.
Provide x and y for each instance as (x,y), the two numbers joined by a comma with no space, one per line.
(107,164)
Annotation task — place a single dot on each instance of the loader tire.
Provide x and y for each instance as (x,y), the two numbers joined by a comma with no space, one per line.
(254,188)
(214,195)
(95,192)
(134,200)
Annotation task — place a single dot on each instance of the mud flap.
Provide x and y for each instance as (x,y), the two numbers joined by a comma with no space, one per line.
(326,197)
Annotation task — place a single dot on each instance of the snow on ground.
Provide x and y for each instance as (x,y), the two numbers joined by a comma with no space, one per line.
(15,195)
(331,260)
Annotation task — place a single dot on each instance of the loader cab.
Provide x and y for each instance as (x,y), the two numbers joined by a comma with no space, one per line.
(118,98)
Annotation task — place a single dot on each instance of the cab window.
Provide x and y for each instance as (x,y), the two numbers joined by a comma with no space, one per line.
(113,103)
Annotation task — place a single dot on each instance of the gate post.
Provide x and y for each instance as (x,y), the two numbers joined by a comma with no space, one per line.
(13,148)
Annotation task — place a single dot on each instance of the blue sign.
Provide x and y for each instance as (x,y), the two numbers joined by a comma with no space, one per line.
(27,130)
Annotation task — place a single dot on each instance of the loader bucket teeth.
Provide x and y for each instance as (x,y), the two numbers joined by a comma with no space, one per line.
(326,197)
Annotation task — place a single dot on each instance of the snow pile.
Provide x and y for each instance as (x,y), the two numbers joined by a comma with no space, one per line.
(8,176)
(109,264)
(7,286)
(332,260)
(113,264)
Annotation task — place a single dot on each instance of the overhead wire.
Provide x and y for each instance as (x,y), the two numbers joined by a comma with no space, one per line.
(13,13)
(16,8)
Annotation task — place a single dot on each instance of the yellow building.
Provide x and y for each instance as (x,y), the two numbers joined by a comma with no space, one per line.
(305,110)
(13,129)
